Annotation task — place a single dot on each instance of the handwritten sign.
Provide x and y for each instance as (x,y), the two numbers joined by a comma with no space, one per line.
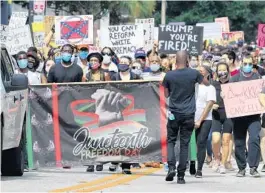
(224,21)
(211,31)
(3,33)
(123,39)
(148,27)
(38,38)
(261,35)
(39,7)
(241,98)
(76,29)
(233,37)
(18,19)
(19,40)
(180,37)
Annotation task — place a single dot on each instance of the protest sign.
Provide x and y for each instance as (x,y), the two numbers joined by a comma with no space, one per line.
(74,29)
(123,39)
(241,98)
(93,49)
(261,35)
(148,27)
(39,6)
(224,21)
(19,40)
(38,38)
(4,33)
(67,127)
(156,31)
(211,31)
(232,37)
(180,37)
(18,19)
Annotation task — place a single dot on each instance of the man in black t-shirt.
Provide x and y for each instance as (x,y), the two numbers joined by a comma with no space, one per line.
(180,88)
(66,71)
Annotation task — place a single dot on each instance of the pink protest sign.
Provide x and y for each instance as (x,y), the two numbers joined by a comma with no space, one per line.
(241,98)
(261,35)
(224,21)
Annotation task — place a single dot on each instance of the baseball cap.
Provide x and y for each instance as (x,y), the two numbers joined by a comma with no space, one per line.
(139,53)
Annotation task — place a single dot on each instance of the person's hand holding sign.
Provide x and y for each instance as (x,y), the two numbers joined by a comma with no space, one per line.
(109,106)
(215,106)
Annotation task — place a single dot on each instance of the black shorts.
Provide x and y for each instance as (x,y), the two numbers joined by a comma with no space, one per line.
(263,121)
(221,123)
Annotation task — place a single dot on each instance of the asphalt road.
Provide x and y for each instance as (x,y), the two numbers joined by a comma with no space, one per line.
(142,180)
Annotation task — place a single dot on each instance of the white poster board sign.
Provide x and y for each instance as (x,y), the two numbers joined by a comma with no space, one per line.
(19,40)
(3,33)
(18,19)
(123,39)
(76,29)
(148,27)
(156,32)
(211,30)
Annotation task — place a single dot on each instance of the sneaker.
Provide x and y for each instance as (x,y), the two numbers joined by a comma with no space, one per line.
(222,169)
(170,175)
(192,168)
(263,168)
(254,173)
(215,167)
(99,168)
(90,168)
(136,165)
(229,166)
(113,168)
(198,174)
(126,171)
(181,180)
(241,173)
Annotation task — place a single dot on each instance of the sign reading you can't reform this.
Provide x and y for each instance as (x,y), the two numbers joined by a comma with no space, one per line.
(173,38)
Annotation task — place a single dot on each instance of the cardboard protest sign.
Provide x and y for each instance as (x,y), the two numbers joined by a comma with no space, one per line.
(176,23)
(224,21)
(19,40)
(232,37)
(38,38)
(211,31)
(93,49)
(123,39)
(261,35)
(148,27)
(241,98)
(3,33)
(74,29)
(18,19)
(156,32)
(78,132)
(173,38)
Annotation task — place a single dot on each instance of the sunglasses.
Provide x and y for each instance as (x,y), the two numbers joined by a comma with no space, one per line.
(245,64)
(136,67)
(109,54)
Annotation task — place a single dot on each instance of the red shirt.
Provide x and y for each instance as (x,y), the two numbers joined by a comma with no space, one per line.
(234,72)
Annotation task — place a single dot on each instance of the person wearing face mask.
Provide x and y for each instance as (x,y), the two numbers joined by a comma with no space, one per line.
(251,123)
(22,61)
(137,69)
(82,60)
(108,66)
(96,73)
(66,71)
(140,56)
(221,126)
(261,65)
(125,73)
(108,51)
(34,76)
(155,67)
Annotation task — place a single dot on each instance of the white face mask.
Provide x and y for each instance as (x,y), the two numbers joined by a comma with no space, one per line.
(106,59)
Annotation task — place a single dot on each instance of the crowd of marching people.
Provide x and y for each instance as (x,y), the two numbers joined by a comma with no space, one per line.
(216,135)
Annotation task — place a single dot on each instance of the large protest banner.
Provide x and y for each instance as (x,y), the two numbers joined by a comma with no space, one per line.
(123,39)
(76,29)
(19,40)
(224,21)
(211,31)
(173,38)
(18,19)
(3,33)
(79,124)
(261,35)
(241,98)
(148,27)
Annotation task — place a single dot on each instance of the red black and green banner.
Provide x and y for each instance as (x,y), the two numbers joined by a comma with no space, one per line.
(81,124)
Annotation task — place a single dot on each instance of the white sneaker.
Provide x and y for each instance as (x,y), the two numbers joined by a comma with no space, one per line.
(215,167)
(222,169)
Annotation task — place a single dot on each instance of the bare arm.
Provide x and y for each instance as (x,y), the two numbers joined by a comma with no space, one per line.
(166,92)
(205,113)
